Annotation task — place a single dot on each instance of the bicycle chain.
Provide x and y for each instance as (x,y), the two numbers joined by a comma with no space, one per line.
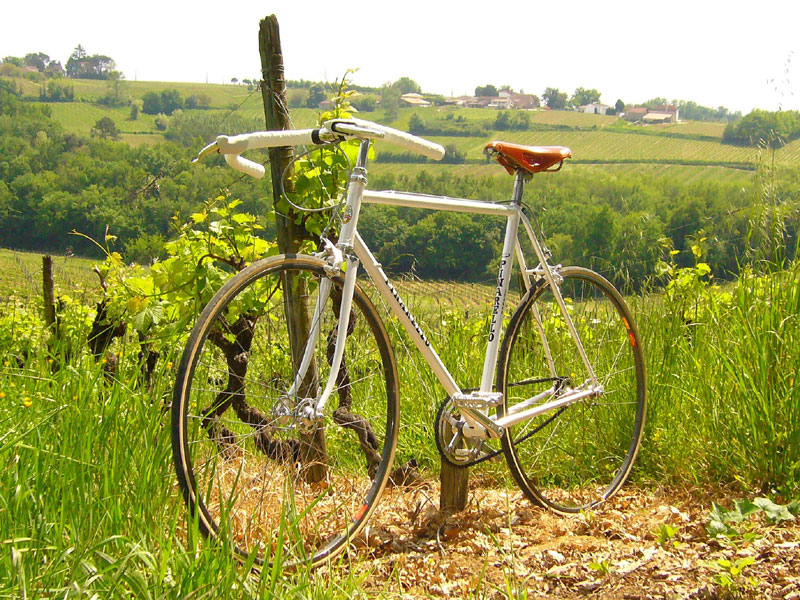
(493,454)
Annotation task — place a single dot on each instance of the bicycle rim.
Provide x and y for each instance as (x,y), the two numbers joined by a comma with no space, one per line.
(257,476)
(572,458)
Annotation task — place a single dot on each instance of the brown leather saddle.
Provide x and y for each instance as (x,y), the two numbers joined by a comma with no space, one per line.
(533,159)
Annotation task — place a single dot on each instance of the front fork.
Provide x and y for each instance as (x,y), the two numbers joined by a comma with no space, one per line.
(310,409)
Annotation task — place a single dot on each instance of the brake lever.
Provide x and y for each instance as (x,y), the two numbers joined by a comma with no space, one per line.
(212,148)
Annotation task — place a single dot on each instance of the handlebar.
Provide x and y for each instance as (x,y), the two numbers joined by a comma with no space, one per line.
(332,130)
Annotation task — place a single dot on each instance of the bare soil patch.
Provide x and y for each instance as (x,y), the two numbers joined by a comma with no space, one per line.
(502,546)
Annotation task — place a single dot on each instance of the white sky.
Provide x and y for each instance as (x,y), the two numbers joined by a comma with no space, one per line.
(734,53)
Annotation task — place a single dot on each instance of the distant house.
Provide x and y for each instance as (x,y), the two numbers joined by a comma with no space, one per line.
(414,99)
(595,108)
(635,113)
(500,102)
(666,113)
(525,101)
(504,101)
(658,117)
(668,109)
(474,101)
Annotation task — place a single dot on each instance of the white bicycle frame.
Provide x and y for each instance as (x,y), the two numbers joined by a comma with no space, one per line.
(352,251)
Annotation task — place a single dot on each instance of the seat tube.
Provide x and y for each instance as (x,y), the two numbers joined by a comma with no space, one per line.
(503,282)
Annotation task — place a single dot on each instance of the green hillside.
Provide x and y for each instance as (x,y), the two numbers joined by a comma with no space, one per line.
(597,139)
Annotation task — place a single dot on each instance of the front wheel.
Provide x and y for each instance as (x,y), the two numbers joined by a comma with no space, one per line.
(574,457)
(257,468)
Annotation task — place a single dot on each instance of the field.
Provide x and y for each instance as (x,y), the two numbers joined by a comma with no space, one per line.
(21,275)
(90,505)
(593,138)
(684,173)
(100,446)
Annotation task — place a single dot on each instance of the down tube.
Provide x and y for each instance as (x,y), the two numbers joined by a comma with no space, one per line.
(374,270)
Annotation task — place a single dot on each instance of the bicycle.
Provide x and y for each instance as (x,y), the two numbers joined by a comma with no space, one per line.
(269,465)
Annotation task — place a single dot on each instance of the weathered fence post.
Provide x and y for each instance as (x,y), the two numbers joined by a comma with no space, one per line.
(51,321)
(289,234)
(49,294)
(453,493)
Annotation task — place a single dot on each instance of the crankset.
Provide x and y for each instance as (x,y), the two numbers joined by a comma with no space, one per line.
(461,451)
(454,447)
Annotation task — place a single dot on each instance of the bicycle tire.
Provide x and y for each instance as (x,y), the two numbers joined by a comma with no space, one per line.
(573,458)
(252,478)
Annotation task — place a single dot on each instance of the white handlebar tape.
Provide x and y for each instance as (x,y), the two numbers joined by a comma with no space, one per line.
(236,144)
(245,166)
(407,140)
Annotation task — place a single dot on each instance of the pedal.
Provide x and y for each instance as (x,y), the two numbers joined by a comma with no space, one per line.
(476,406)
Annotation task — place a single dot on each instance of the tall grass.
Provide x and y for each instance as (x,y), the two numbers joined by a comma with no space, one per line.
(88,498)
(89,505)
(724,403)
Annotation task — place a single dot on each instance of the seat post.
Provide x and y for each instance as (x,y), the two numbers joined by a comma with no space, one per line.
(519,185)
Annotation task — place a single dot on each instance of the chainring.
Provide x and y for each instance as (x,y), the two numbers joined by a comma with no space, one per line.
(463,452)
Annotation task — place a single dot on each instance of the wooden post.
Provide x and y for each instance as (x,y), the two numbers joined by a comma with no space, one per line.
(276,113)
(48,293)
(289,234)
(453,493)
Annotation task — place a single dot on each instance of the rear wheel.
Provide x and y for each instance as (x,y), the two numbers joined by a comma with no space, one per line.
(258,470)
(574,457)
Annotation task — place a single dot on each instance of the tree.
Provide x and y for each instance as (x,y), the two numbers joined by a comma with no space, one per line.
(316,94)
(764,127)
(151,103)
(54,69)
(105,128)
(521,121)
(555,99)
(75,60)
(582,97)
(136,106)
(14,60)
(619,106)
(503,121)
(198,101)
(406,85)
(96,66)
(486,91)
(453,156)
(390,101)
(57,91)
(40,60)
(234,81)
(365,103)
(416,125)
(171,100)
(654,102)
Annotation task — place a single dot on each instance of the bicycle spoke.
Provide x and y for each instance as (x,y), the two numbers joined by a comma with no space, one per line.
(259,463)
(583,456)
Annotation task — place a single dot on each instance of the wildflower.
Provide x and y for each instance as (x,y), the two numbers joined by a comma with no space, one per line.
(2,395)
(169,365)
(27,401)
